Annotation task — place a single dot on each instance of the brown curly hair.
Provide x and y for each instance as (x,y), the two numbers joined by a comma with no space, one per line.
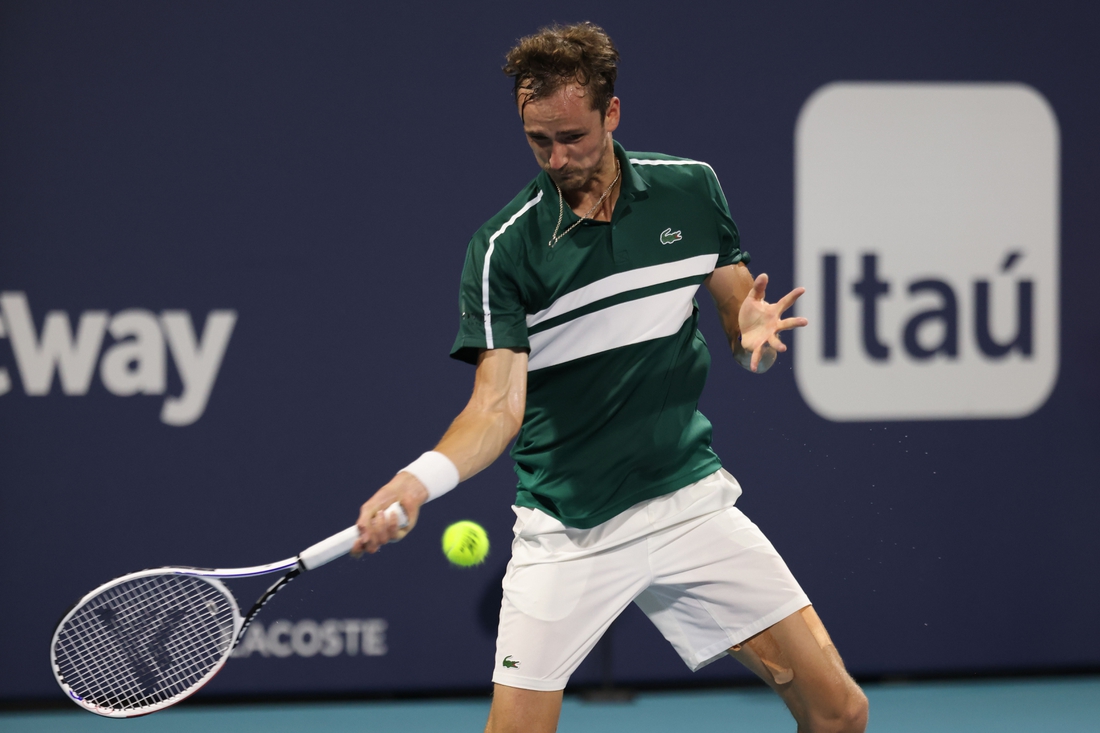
(581,53)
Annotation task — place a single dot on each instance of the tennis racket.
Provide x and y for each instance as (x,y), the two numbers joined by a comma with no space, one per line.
(147,640)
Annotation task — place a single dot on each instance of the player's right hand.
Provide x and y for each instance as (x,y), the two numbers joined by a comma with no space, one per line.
(376,528)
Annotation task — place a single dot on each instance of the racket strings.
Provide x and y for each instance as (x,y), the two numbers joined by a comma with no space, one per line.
(145,641)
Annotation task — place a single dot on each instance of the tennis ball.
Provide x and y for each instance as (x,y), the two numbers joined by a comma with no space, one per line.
(465,543)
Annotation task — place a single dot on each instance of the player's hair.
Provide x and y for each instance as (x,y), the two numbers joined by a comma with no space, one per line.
(581,54)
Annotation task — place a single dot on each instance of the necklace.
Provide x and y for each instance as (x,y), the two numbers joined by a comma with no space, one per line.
(561,208)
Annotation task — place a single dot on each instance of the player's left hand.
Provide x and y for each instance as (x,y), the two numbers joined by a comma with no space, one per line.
(760,323)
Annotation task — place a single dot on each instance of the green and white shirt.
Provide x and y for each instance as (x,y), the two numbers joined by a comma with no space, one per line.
(616,362)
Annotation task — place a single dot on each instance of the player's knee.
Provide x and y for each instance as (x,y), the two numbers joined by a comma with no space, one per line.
(848,714)
(516,710)
(856,712)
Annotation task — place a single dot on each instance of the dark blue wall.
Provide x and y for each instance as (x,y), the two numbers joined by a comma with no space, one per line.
(318,169)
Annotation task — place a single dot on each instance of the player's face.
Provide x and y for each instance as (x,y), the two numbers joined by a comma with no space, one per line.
(570,139)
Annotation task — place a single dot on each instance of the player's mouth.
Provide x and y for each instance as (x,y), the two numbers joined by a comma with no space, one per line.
(567,179)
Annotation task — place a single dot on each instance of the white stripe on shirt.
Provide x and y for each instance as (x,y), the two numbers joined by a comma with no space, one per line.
(485,269)
(622,282)
(633,322)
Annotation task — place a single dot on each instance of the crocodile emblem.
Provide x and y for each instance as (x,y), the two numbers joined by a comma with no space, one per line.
(670,237)
(511,663)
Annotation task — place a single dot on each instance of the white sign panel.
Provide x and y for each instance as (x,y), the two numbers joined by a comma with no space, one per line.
(927,237)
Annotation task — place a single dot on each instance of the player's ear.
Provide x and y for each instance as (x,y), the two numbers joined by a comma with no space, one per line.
(611,117)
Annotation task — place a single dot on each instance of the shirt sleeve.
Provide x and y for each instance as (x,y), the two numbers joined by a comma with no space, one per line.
(492,315)
(729,239)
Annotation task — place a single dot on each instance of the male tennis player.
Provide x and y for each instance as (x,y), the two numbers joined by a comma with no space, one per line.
(577,308)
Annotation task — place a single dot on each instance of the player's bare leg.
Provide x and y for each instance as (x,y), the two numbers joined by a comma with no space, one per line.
(523,711)
(797,659)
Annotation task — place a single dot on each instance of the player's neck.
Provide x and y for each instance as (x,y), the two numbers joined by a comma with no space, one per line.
(582,200)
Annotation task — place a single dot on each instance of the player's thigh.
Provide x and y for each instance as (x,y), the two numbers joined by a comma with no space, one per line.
(717,582)
(562,590)
(517,710)
(552,614)
(798,660)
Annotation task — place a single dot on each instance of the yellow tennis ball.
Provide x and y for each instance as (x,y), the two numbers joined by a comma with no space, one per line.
(465,543)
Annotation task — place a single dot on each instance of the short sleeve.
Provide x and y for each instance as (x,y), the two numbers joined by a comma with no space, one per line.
(492,315)
(729,240)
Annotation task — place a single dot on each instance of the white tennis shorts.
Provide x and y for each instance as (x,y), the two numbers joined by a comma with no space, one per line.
(700,570)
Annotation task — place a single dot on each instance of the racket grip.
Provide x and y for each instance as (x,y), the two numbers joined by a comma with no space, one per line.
(341,543)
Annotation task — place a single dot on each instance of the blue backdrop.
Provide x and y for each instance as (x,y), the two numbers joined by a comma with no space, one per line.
(311,174)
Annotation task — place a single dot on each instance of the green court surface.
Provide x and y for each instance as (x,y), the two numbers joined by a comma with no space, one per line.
(1061,705)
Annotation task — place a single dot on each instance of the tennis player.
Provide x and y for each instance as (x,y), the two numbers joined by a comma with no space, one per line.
(577,306)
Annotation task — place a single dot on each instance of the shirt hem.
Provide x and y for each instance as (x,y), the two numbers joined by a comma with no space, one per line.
(674,483)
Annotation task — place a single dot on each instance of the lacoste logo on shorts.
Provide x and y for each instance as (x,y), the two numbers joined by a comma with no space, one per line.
(511,663)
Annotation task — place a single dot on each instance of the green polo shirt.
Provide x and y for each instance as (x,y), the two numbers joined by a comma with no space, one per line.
(608,314)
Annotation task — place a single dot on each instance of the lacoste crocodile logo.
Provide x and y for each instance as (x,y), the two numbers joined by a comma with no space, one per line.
(670,237)
(511,663)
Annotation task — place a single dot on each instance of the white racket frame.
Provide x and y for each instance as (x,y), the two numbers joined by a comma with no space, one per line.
(312,557)
(238,620)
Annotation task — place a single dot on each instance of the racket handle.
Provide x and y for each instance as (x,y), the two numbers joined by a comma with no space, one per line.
(341,543)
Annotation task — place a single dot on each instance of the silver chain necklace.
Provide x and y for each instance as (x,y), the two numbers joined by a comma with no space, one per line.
(561,208)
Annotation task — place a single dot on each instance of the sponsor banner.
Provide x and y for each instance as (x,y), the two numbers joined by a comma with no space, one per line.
(927,234)
(283,638)
(132,347)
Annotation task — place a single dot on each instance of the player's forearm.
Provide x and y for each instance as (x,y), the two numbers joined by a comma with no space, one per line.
(477,437)
(728,287)
(728,313)
(493,415)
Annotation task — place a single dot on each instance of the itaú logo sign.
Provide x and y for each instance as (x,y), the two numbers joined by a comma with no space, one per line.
(927,236)
(308,638)
(134,360)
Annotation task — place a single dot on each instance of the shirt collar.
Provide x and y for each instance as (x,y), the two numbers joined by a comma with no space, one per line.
(632,182)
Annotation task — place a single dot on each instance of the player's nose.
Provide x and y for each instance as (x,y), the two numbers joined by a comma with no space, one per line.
(558,156)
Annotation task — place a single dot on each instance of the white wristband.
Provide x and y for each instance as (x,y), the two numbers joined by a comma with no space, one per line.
(435,471)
